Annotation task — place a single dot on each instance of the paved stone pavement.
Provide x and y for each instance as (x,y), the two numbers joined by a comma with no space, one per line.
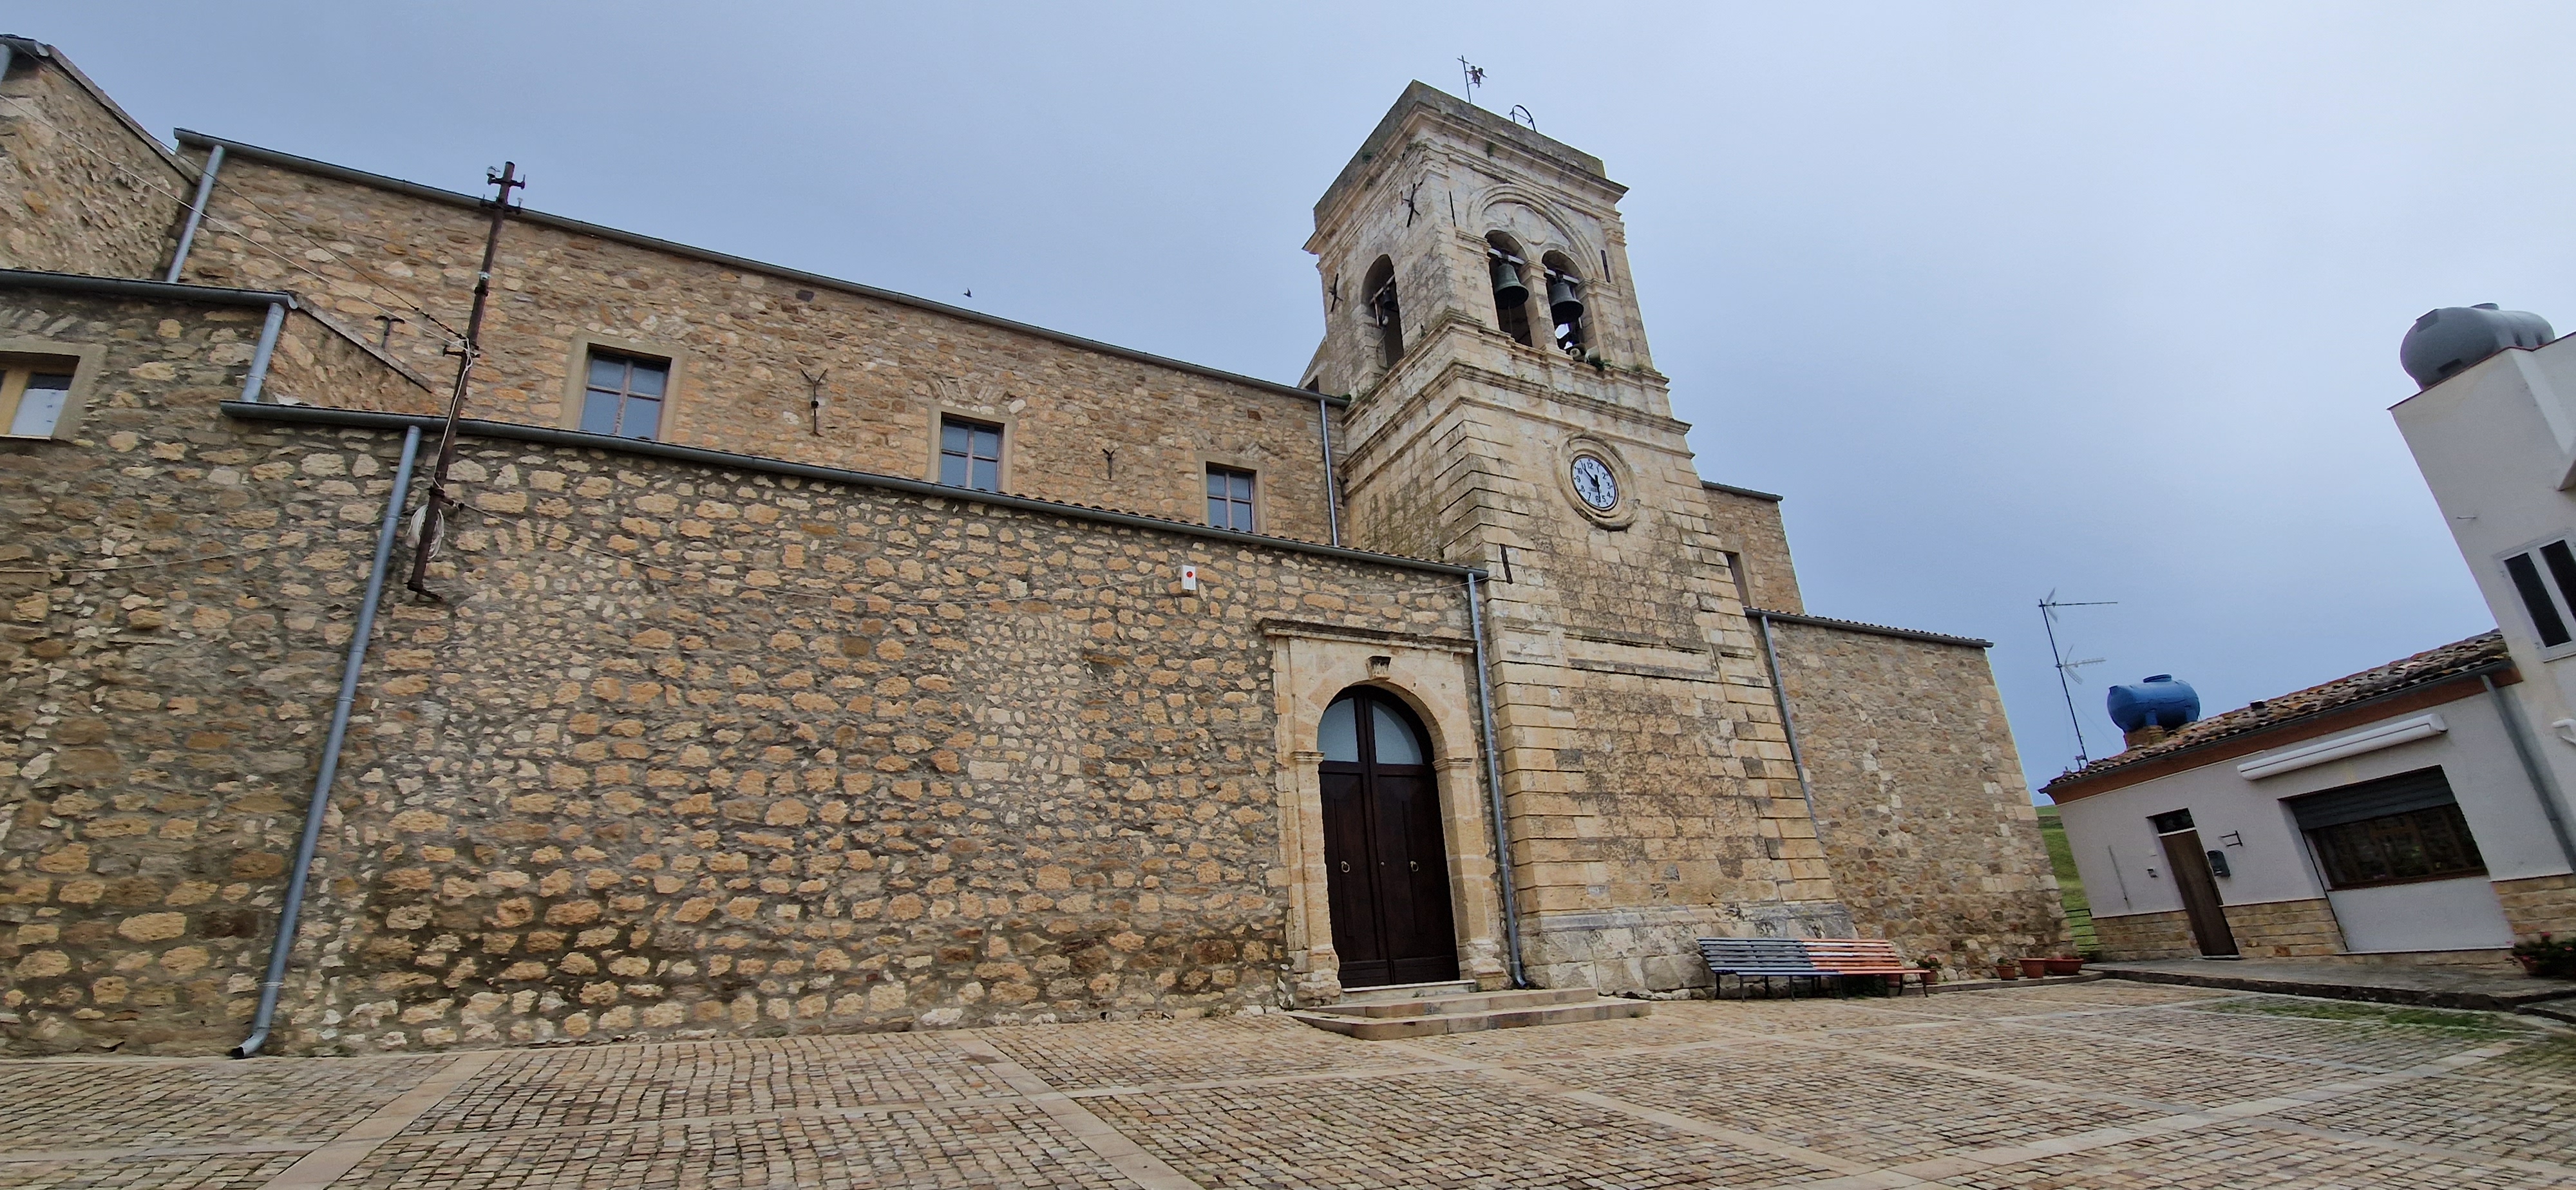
(2090,1085)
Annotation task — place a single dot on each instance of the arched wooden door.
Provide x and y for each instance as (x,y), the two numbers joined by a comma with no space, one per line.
(1386,869)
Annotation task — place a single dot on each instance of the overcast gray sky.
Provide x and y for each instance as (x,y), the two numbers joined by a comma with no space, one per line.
(2006,298)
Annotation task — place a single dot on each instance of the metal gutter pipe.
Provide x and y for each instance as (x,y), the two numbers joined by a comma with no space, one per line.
(284,947)
(2541,786)
(259,358)
(1788,722)
(1494,787)
(196,213)
(1332,497)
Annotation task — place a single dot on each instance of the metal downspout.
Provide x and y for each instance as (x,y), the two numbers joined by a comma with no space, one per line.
(1332,491)
(2541,786)
(284,947)
(1788,722)
(1494,786)
(259,358)
(196,213)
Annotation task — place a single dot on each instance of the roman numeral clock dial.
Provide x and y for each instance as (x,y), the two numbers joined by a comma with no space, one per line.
(1594,482)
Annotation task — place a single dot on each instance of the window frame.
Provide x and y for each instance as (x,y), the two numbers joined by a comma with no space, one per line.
(2324,843)
(626,393)
(1003,427)
(19,359)
(1209,468)
(675,384)
(2558,587)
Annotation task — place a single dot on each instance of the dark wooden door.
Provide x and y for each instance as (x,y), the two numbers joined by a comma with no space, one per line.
(1386,867)
(2199,893)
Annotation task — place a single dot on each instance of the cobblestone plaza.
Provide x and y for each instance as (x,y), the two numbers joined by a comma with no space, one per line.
(2102,1084)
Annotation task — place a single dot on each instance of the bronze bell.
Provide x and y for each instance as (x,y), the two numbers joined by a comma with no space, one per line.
(1509,293)
(1562,302)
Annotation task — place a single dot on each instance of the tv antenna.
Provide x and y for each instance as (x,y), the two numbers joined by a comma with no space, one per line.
(2066,670)
(1474,74)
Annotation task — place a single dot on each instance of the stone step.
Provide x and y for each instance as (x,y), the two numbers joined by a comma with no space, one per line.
(1437,1024)
(1408,991)
(1458,1003)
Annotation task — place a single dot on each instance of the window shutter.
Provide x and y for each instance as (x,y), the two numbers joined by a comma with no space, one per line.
(2422,789)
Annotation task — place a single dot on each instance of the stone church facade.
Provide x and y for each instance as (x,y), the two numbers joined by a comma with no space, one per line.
(810,657)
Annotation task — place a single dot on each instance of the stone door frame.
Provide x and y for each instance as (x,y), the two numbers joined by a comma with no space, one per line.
(1311,665)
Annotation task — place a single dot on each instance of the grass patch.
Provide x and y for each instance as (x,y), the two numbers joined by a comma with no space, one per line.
(2378,1014)
(2070,883)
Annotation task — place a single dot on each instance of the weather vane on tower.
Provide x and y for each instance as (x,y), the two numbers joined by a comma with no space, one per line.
(1475,76)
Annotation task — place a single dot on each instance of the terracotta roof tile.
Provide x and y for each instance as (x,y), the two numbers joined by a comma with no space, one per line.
(2431,665)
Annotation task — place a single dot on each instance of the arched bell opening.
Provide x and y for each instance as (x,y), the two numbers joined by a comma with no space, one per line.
(1565,304)
(1386,860)
(1377,292)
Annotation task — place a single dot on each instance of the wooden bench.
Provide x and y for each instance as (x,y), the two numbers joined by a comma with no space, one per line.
(1864,956)
(1761,958)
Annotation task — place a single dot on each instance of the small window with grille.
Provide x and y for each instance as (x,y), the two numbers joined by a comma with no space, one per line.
(970,454)
(1229,497)
(34,392)
(2544,576)
(623,395)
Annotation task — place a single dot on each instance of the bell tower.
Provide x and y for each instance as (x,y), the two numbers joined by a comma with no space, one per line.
(1507,414)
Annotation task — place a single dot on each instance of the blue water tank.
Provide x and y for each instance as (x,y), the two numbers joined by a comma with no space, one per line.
(2158,701)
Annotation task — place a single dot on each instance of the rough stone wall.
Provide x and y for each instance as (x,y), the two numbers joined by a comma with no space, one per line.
(164,715)
(685,752)
(81,189)
(1750,528)
(320,363)
(1918,792)
(744,343)
(2539,904)
(2285,929)
(2132,936)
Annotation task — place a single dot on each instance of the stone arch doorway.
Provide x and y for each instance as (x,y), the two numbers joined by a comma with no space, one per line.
(1386,865)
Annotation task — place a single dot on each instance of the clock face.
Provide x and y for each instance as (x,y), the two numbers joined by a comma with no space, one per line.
(1595,484)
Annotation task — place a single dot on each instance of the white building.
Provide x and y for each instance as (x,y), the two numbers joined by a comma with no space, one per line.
(2388,814)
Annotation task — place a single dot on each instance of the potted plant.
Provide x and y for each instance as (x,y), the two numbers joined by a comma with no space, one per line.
(2034,968)
(2547,957)
(2065,966)
(2007,969)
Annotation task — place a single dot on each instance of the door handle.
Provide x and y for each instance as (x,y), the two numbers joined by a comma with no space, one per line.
(1346,865)
(1414,865)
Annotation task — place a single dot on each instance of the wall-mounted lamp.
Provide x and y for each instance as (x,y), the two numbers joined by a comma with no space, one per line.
(2218,865)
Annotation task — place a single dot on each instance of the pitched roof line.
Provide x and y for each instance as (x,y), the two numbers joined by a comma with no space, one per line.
(236,150)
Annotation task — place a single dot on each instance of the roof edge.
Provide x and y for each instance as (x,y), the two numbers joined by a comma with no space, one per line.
(98,94)
(514,432)
(1732,490)
(235,150)
(126,287)
(1916,634)
(2144,769)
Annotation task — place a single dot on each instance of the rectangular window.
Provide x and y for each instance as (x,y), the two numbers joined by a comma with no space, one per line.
(33,392)
(623,395)
(970,454)
(2550,601)
(2428,844)
(1229,494)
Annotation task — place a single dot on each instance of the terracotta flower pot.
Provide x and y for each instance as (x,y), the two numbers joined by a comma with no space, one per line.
(2034,968)
(2065,966)
(2007,969)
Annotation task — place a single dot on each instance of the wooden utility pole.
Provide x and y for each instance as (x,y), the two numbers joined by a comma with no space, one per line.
(434,514)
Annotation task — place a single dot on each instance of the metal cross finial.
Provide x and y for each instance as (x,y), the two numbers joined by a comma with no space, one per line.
(1474,74)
